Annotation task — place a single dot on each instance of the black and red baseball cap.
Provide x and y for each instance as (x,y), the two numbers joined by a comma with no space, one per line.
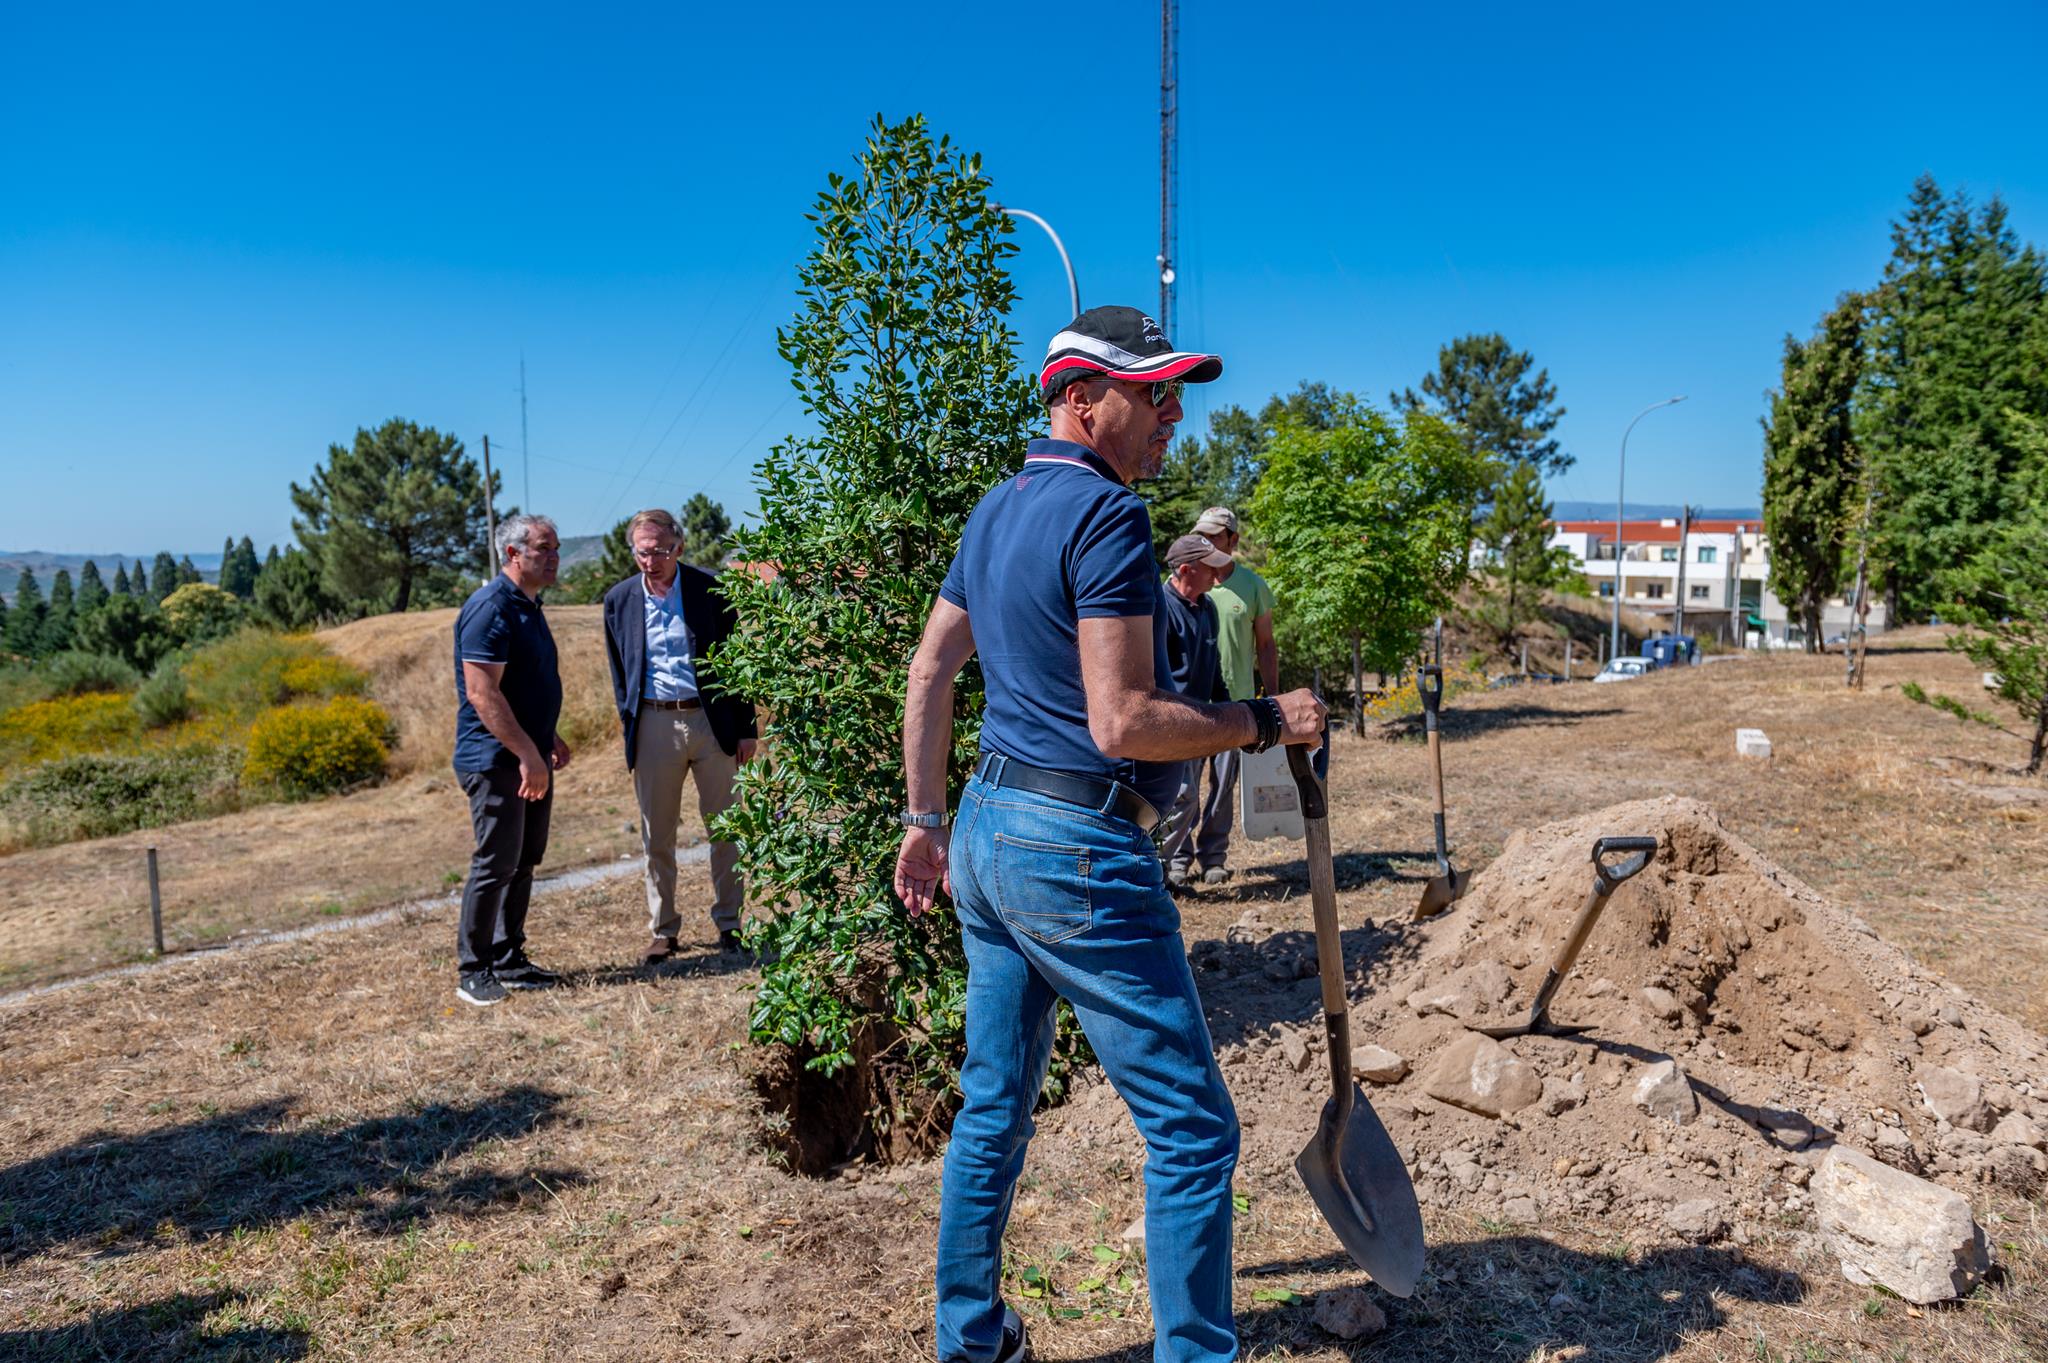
(1119,343)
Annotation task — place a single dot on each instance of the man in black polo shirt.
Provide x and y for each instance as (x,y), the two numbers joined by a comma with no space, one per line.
(1051,867)
(509,695)
(1194,565)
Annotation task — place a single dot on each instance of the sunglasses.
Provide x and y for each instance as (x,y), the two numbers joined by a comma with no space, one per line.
(1158,392)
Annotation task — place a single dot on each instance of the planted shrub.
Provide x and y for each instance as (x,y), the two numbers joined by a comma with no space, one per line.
(322,675)
(253,670)
(311,750)
(98,795)
(163,700)
(78,673)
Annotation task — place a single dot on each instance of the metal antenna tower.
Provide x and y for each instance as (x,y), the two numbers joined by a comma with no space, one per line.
(525,460)
(1169,152)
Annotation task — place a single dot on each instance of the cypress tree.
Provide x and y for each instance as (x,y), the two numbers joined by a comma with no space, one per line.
(92,592)
(163,576)
(239,570)
(187,573)
(1812,472)
(120,578)
(60,618)
(25,621)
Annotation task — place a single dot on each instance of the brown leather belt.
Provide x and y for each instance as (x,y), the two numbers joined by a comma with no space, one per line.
(691,704)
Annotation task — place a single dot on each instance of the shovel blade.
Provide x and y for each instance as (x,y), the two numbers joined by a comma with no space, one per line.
(1535,1026)
(1361,1186)
(1441,892)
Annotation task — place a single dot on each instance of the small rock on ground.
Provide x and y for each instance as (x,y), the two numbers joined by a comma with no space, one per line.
(1480,1075)
(1698,1219)
(1893,1229)
(1953,1096)
(1378,1065)
(1348,1313)
(1665,1091)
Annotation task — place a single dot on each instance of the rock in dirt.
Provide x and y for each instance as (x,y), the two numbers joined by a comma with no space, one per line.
(1896,1231)
(1294,1050)
(1559,1096)
(1662,1003)
(1348,1313)
(1469,993)
(1134,1234)
(2019,1129)
(1378,1065)
(1953,1096)
(1698,1219)
(1665,1091)
(1480,1075)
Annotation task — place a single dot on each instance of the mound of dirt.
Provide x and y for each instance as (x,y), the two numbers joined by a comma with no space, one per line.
(1742,1026)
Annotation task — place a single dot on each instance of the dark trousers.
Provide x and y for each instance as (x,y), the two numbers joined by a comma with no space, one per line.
(511,838)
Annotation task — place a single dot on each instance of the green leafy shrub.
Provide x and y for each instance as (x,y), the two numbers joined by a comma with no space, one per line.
(98,795)
(901,350)
(163,700)
(200,612)
(254,670)
(22,684)
(78,673)
(311,750)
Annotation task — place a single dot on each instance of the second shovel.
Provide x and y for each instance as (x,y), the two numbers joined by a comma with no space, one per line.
(1447,886)
(1606,880)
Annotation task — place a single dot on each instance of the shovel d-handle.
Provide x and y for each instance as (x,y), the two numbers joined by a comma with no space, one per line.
(1322,890)
(1606,880)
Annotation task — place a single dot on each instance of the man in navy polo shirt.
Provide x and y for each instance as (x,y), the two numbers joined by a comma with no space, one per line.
(1051,864)
(1194,565)
(509,694)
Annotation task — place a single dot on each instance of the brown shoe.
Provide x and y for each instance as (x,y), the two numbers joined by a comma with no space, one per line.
(658,950)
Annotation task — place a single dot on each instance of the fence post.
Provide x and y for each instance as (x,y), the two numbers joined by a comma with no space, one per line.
(1525,660)
(1568,658)
(156,906)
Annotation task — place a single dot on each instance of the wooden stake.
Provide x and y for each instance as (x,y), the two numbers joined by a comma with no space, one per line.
(156,906)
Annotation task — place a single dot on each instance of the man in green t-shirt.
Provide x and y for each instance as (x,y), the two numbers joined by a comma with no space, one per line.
(1244,639)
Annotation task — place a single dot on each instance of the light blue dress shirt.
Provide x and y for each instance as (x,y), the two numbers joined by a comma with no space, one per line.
(671,674)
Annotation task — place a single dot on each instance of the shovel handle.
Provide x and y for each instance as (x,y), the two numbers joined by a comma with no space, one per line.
(1429,684)
(1313,805)
(1610,877)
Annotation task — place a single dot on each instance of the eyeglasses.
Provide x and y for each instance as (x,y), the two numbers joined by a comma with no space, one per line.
(1158,392)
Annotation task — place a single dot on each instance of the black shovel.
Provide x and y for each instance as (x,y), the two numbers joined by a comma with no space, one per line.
(1447,886)
(1606,880)
(1351,1166)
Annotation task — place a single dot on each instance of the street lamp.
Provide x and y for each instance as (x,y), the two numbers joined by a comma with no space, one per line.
(1614,643)
(1073,290)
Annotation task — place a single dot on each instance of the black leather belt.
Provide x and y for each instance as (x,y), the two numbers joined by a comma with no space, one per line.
(693,703)
(1089,792)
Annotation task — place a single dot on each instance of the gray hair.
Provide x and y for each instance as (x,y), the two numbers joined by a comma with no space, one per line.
(514,531)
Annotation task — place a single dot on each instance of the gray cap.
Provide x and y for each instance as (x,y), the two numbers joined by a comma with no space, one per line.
(1195,549)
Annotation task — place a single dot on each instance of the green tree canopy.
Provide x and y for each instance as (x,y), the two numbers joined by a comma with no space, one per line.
(291,594)
(92,588)
(707,531)
(239,569)
(200,612)
(1812,471)
(1501,409)
(163,576)
(903,358)
(25,619)
(1366,526)
(120,580)
(61,619)
(127,629)
(1520,564)
(1224,466)
(386,512)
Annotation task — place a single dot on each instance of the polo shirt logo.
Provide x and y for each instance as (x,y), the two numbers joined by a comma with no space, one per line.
(1024,480)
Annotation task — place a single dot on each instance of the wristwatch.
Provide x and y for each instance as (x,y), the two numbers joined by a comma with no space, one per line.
(910,820)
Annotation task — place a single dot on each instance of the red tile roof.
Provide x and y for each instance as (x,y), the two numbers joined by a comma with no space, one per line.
(1653,532)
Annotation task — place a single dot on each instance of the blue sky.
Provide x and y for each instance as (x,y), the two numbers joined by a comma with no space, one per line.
(229,236)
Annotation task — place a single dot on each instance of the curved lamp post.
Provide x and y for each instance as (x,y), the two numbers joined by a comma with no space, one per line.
(1614,643)
(1073,290)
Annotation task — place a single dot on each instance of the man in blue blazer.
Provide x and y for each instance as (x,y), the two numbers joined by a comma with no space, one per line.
(658,625)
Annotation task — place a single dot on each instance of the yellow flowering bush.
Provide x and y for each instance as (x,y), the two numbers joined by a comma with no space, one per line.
(309,750)
(323,675)
(64,726)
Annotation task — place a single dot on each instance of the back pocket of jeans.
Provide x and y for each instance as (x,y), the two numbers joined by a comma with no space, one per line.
(1042,887)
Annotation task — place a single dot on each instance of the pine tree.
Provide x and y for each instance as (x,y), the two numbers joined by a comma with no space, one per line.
(25,620)
(239,570)
(290,593)
(1521,564)
(120,578)
(1484,387)
(1813,488)
(187,573)
(387,512)
(163,576)
(269,560)
(707,531)
(60,620)
(92,591)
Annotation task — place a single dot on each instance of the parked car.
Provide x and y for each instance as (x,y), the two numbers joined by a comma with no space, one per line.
(1624,669)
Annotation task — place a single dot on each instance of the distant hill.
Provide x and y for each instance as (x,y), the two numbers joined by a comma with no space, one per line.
(45,565)
(1638,511)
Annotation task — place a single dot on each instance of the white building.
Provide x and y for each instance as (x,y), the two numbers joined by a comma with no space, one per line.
(1726,566)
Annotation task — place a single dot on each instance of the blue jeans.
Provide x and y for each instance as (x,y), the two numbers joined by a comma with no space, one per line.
(1057,901)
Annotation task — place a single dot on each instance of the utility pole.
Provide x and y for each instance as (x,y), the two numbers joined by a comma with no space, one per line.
(1684,527)
(525,460)
(490,518)
(1859,604)
(1169,154)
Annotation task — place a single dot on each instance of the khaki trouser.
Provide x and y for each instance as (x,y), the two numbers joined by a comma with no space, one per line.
(667,746)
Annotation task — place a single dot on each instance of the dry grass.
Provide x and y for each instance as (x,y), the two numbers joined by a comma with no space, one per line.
(85,906)
(310,1149)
